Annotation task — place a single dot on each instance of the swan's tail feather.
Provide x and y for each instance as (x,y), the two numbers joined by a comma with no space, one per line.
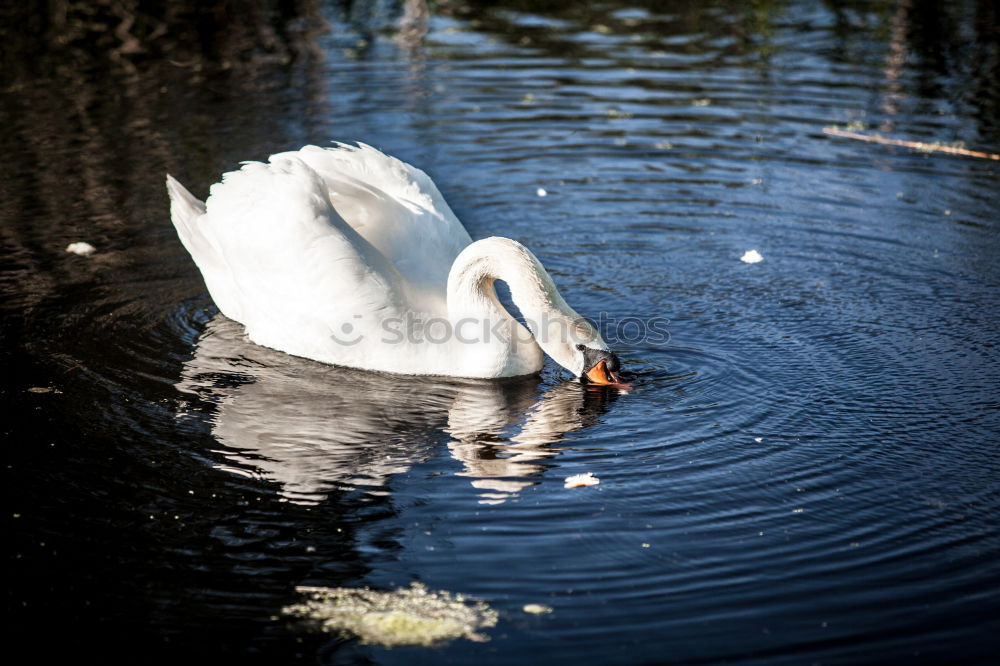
(188,216)
(185,210)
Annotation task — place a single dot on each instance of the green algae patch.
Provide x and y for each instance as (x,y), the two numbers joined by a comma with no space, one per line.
(407,616)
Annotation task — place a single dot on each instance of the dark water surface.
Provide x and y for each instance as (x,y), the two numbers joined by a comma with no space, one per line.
(806,472)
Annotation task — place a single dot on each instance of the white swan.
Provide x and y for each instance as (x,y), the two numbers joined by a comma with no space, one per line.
(348,256)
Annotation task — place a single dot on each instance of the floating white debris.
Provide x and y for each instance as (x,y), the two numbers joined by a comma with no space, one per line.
(537,609)
(81,248)
(581,480)
(751,257)
(758,439)
(541,192)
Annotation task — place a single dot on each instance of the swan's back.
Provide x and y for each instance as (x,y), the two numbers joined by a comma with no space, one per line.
(297,247)
(277,258)
(394,206)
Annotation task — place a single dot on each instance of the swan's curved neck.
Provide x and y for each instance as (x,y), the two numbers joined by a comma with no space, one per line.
(556,327)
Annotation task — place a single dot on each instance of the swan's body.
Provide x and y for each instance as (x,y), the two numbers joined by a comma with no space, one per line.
(348,256)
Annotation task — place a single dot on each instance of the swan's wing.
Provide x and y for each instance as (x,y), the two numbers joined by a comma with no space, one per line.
(394,206)
(278,258)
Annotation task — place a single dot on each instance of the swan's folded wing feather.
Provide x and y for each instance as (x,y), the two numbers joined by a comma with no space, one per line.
(298,271)
(394,206)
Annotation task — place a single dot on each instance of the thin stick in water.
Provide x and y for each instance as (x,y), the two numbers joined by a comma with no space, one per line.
(915,145)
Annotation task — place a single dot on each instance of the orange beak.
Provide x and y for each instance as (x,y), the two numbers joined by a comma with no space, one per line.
(599,374)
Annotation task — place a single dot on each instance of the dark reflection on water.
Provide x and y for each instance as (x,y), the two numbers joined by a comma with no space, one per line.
(807,472)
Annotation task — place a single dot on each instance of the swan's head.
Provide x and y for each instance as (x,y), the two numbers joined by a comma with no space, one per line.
(598,366)
(575,344)
(568,338)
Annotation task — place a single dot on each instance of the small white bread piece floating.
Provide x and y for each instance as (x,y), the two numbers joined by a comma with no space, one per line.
(751,257)
(537,609)
(81,248)
(581,480)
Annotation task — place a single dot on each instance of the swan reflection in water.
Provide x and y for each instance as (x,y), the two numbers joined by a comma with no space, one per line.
(314,428)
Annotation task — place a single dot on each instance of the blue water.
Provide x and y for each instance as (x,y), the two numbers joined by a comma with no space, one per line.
(805,471)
